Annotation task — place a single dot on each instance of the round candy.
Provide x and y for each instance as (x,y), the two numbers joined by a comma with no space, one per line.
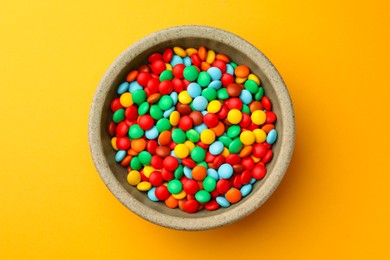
(207,136)
(225,171)
(234,116)
(175,186)
(182,151)
(258,117)
(202,196)
(190,73)
(247,137)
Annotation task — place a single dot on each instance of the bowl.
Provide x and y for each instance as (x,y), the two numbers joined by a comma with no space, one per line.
(240,51)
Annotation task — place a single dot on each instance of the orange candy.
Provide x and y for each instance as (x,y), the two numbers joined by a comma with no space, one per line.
(171,202)
(242,71)
(132,76)
(233,195)
(204,66)
(181,203)
(138,145)
(222,57)
(246,151)
(267,127)
(219,129)
(165,138)
(202,52)
(199,173)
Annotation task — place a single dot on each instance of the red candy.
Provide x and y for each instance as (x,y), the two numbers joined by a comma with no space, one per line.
(162,192)
(146,122)
(170,163)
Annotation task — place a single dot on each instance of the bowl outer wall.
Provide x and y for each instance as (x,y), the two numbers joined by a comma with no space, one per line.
(194,35)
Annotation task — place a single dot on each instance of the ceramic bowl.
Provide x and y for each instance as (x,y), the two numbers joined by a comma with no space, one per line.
(240,51)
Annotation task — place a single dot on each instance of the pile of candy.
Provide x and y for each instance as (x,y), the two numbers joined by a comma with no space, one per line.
(193,128)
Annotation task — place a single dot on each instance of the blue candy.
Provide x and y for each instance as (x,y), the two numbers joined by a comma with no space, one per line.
(253,180)
(272,136)
(176,60)
(194,90)
(200,128)
(212,173)
(200,103)
(246,189)
(215,84)
(152,194)
(187,61)
(168,112)
(134,86)
(187,172)
(174,97)
(246,96)
(123,88)
(216,148)
(215,73)
(222,201)
(152,133)
(120,155)
(225,171)
(229,69)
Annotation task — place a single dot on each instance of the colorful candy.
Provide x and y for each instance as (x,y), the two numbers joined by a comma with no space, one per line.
(194,129)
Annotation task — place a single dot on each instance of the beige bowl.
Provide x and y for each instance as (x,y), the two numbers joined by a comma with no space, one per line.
(240,51)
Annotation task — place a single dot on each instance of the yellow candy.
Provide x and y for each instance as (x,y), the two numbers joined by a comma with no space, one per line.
(113,143)
(179,51)
(260,135)
(234,116)
(148,170)
(207,136)
(225,152)
(240,80)
(181,150)
(126,99)
(144,186)
(210,56)
(255,159)
(258,117)
(184,97)
(254,78)
(174,118)
(190,145)
(134,177)
(168,66)
(191,51)
(214,106)
(247,137)
(180,195)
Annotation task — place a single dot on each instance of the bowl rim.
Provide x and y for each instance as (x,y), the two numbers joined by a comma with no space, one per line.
(253,202)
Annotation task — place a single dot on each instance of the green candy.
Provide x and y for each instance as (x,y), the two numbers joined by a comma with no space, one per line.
(165,102)
(251,86)
(222,94)
(139,96)
(259,94)
(179,172)
(190,73)
(143,108)
(145,157)
(135,131)
(163,125)
(246,109)
(193,135)
(209,184)
(156,112)
(210,94)
(234,65)
(204,79)
(235,146)
(135,164)
(234,131)
(202,196)
(198,154)
(119,115)
(166,75)
(204,164)
(175,186)
(178,136)
(226,140)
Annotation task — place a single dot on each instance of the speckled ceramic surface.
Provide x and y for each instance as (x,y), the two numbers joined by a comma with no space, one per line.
(240,51)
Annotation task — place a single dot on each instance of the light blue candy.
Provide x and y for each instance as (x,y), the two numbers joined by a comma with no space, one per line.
(212,173)
(120,155)
(152,194)
(187,172)
(216,148)
(134,86)
(204,112)
(168,112)
(152,133)
(272,136)
(225,171)
(246,189)
(123,88)
(176,60)
(246,96)
(200,128)
(229,69)
(200,103)
(222,201)
(215,84)
(194,90)
(215,73)
(253,180)
(174,97)
(187,61)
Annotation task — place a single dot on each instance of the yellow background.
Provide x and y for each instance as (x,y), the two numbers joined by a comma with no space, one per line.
(334,200)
